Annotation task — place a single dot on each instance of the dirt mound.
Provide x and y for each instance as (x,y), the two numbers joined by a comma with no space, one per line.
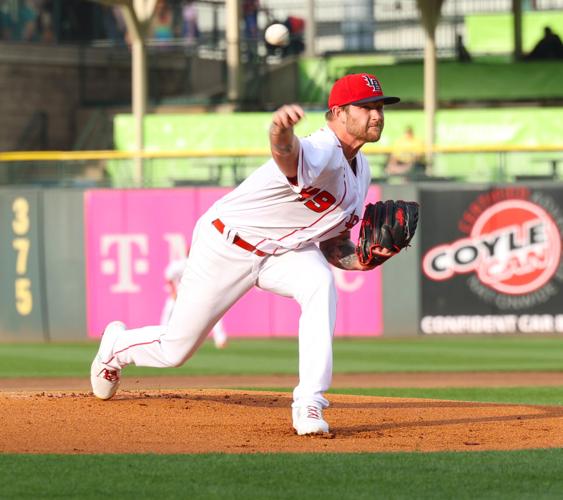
(229,421)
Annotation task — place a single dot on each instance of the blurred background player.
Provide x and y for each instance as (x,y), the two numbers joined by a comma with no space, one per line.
(173,276)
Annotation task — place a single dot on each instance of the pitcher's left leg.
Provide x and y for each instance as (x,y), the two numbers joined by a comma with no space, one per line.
(306,276)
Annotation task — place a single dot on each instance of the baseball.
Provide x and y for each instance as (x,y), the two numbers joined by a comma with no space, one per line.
(277,35)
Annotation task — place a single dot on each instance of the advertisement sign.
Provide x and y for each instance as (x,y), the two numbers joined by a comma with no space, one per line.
(132,235)
(493,263)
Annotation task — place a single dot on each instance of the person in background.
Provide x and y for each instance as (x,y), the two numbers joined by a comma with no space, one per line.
(161,25)
(173,275)
(296,27)
(114,25)
(45,22)
(548,47)
(462,54)
(407,155)
(250,15)
(21,24)
(190,29)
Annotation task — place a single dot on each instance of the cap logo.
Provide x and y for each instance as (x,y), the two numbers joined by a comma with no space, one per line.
(372,83)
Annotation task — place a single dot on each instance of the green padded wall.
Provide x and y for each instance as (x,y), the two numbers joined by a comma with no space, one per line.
(65,282)
(22,308)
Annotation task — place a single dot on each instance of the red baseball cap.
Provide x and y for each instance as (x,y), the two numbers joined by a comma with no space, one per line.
(359,88)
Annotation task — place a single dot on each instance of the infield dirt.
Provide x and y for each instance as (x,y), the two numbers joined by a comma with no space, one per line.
(161,420)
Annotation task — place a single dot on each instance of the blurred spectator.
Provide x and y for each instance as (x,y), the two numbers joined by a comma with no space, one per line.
(34,20)
(29,12)
(190,29)
(407,156)
(250,15)
(161,25)
(548,47)
(462,54)
(21,23)
(296,27)
(45,22)
(114,25)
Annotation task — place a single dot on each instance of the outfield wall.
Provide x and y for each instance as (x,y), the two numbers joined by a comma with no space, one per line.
(42,264)
(485,259)
(210,132)
(132,235)
(205,132)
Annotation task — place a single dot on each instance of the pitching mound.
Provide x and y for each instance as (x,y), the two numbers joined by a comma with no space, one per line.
(229,421)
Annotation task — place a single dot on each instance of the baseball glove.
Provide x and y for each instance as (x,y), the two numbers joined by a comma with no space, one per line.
(386,224)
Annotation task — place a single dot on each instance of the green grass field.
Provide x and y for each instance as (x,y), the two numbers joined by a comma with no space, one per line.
(522,395)
(483,475)
(529,474)
(279,356)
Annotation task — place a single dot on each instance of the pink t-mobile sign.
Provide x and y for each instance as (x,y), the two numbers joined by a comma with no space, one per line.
(132,235)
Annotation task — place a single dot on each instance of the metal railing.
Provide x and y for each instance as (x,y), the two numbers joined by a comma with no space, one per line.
(472,164)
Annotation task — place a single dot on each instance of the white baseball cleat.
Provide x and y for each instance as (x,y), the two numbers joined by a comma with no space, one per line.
(309,420)
(104,378)
(221,344)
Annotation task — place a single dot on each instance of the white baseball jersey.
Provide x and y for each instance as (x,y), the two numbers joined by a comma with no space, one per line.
(277,214)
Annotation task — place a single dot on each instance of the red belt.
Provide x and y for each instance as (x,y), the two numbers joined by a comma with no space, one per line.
(238,241)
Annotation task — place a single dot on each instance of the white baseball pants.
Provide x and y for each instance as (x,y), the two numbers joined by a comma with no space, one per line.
(218,331)
(217,275)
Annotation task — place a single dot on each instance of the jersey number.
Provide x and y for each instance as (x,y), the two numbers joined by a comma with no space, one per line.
(320,201)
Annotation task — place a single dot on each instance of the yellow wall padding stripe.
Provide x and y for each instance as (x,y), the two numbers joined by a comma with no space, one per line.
(11,156)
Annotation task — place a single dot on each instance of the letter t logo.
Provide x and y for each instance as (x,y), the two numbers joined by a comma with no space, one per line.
(123,265)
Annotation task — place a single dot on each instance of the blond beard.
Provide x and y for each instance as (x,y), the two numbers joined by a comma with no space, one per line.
(369,135)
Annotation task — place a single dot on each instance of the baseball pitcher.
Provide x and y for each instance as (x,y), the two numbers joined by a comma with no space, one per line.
(280,230)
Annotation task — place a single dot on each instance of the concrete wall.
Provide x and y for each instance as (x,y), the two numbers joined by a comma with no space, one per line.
(30,85)
(61,80)
(280,84)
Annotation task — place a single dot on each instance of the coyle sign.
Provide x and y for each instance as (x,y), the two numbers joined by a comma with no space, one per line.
(493,264)
(514,247)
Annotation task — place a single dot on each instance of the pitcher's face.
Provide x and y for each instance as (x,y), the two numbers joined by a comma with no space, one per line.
(365,121)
